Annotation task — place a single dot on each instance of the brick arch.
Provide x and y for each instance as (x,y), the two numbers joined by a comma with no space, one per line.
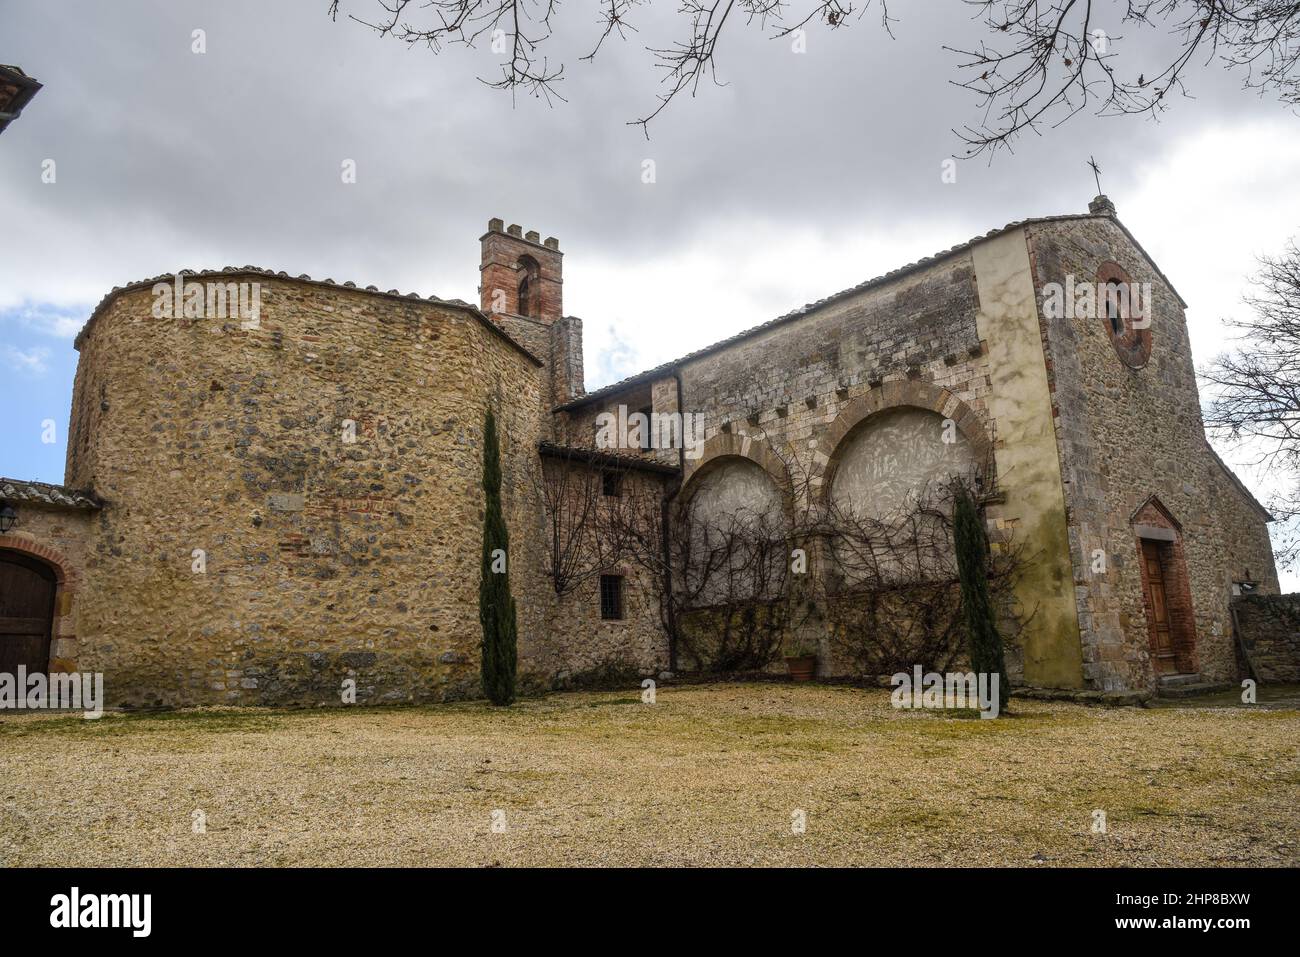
(896,395)
(724,446)
(57,561)
(528,292)
(1152,511)
(66,580)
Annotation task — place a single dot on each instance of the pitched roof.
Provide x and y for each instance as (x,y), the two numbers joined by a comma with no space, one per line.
(42,493)
(228,271)
(1241,486)
(16,91)
(666,368)
(615,460)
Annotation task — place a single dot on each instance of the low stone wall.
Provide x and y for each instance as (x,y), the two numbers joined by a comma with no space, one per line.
(1269,628)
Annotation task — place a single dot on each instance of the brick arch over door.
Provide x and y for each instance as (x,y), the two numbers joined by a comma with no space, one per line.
(1166,589)
(1152,511)
(66,581)
(896,395)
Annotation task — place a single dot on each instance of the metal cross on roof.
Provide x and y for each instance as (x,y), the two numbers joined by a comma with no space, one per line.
(1096,173)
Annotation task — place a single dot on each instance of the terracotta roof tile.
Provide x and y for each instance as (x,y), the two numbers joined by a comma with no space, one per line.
(41,493)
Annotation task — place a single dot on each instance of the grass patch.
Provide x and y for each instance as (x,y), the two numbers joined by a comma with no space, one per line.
(708,775)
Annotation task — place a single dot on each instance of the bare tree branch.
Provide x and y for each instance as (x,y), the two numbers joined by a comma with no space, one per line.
(1051,59)
(894,596)
(1257,387)
(1045,60)
(520,28)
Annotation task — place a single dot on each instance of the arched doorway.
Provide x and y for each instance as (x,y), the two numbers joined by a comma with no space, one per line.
(27,591)
(1166,590)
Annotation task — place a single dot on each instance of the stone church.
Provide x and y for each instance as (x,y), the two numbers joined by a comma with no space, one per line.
(254,511)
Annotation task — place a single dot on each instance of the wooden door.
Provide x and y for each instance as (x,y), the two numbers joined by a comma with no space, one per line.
(1162,639)
(26,612)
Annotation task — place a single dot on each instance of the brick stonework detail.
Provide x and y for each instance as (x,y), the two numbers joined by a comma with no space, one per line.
(1133,344)
(508,257)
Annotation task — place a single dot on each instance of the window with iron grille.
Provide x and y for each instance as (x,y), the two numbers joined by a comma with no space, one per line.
(611,596)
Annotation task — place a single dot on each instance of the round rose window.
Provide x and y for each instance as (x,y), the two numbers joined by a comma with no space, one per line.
(1125,310)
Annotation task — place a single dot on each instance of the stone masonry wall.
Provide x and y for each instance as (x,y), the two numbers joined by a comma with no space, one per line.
(1269,627)
(325,559)
(1124,435)
(788,385)
(788,397)
(785,386)
(580,646)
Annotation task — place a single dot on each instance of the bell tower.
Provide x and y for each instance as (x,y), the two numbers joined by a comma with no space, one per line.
(521,289)
(519,275)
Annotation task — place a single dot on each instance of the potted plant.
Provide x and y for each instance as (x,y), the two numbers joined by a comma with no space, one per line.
(802,662)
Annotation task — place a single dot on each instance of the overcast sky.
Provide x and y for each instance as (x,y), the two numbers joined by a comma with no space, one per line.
(804,174)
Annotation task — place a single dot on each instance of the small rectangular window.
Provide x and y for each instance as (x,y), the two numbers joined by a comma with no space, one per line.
(611,597)
(611,484)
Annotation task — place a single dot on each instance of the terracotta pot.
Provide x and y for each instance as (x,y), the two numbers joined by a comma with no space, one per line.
(802,667)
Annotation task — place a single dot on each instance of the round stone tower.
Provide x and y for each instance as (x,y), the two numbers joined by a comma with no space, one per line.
(290,474)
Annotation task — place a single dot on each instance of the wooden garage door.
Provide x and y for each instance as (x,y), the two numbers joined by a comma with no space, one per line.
(26,611)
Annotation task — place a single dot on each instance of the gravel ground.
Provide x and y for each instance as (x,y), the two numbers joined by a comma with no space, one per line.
(710,774)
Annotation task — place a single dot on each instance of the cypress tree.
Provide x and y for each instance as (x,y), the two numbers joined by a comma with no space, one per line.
(496,607)
(985,641)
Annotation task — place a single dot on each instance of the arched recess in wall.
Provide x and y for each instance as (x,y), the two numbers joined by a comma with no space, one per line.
(731,532)
(955,420)
(887,496)
(34,587)
(896,460)
(733,485)
(722,447)
(890,500)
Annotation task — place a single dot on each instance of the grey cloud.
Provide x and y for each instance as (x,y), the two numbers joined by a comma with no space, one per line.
(168,159)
